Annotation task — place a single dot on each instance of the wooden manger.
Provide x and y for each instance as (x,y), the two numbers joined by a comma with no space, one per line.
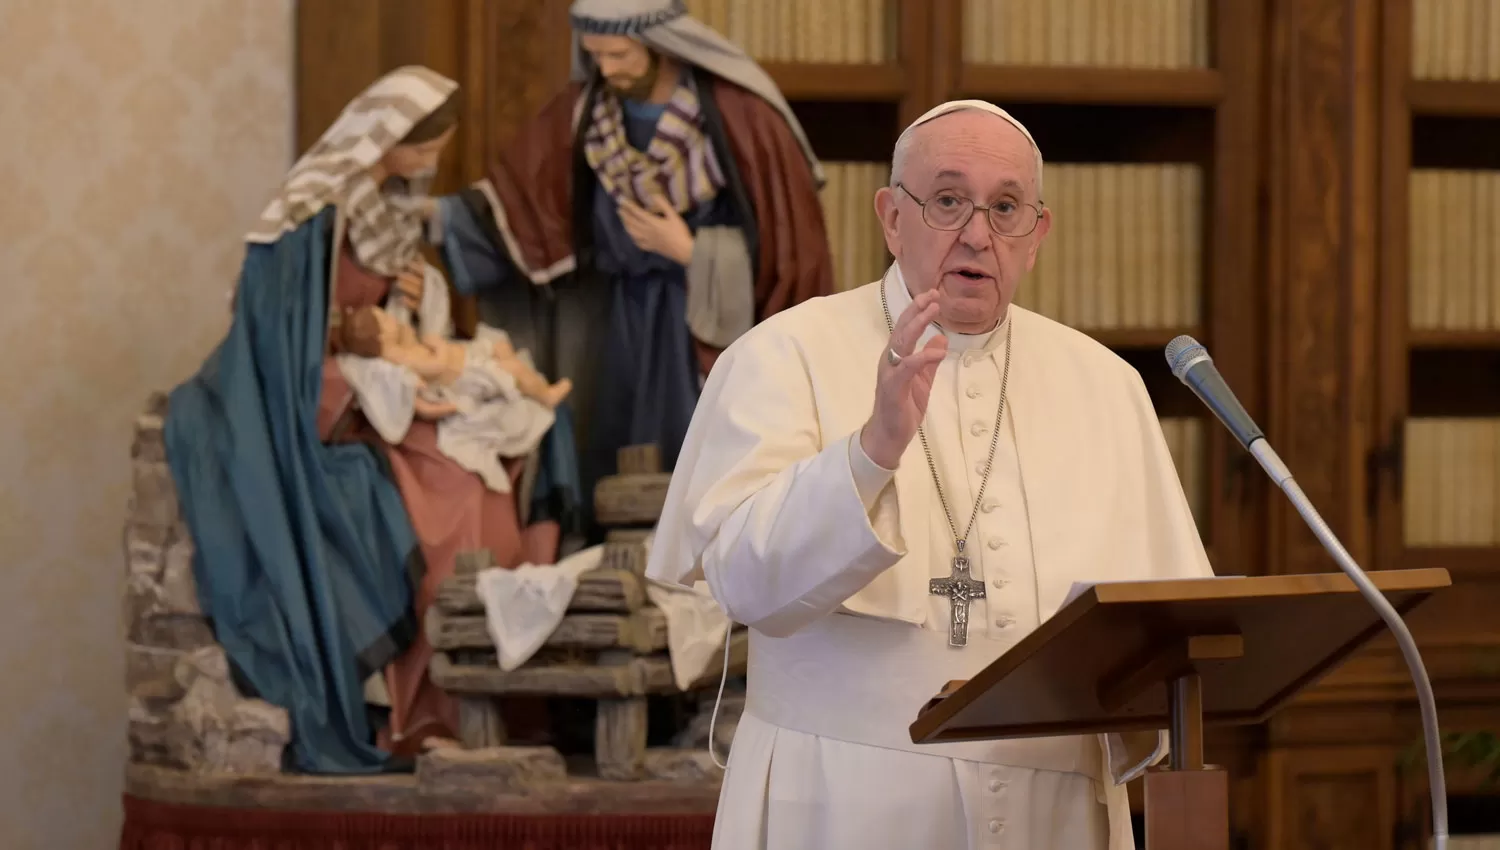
(610,647)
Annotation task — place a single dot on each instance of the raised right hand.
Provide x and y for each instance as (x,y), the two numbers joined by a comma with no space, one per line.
(902,390)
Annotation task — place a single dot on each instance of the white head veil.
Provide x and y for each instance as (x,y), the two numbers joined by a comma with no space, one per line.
(665,26)
(370,125)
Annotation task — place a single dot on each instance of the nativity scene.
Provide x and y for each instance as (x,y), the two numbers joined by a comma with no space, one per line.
(370,550)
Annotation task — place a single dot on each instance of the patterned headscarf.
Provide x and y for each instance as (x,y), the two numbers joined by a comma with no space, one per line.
(385,229)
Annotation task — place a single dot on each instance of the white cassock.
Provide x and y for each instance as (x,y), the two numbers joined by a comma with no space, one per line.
(827,559)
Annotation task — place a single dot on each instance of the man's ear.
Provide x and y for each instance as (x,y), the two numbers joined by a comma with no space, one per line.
(888,212)
(1038,236)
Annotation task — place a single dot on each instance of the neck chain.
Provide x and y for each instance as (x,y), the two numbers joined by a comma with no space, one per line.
(989,463)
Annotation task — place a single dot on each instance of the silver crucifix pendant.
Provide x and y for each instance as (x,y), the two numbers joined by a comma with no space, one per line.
(960,589)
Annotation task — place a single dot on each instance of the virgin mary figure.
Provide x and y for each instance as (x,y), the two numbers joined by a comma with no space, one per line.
(319,546)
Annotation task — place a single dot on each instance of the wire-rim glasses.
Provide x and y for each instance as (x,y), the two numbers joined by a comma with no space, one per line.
(1012,219)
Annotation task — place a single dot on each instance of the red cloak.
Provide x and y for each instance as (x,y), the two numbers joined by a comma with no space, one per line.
(530,190)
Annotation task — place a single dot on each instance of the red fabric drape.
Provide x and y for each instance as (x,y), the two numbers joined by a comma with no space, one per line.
(151,825)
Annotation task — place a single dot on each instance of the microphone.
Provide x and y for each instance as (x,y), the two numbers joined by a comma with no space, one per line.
(1191,364)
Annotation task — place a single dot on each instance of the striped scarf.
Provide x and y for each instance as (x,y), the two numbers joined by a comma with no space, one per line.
(678,164)
(384,227)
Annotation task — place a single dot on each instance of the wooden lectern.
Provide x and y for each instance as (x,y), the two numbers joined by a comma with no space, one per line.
(1177,654)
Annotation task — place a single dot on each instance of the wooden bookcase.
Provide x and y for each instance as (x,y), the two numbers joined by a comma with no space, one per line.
(1425,371)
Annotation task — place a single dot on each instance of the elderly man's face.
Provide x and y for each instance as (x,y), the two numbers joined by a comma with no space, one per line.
(982,157)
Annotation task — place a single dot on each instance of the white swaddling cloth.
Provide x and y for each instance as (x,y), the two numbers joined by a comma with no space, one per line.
(494,419)
(523,606)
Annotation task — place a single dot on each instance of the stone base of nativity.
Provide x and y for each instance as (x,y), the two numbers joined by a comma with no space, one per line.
(630,767)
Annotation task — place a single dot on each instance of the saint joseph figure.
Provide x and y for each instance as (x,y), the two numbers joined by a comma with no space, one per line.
(654,211)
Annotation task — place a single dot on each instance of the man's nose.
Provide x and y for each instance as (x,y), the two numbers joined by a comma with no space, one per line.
(976,233)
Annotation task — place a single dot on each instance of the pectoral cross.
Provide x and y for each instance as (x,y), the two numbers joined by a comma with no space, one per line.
(960,590)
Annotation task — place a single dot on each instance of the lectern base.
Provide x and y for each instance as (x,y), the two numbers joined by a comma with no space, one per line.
(1187,809)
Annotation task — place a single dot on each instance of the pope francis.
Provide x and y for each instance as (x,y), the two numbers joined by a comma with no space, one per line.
(890,487)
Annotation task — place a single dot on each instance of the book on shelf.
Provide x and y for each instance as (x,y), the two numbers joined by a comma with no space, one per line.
(1187,442)
(1126,247)
(1451,490)
(1455,40)
(1087,33)
(854,234)
(1453,280)
(853,32)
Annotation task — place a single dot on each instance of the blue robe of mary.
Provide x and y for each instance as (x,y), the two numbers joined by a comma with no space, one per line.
(306,559)
(617,326)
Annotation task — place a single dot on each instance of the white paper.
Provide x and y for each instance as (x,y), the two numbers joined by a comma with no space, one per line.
(1081,587)
(1077,590)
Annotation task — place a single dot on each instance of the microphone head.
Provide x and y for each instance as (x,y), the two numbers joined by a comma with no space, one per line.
(1183,352)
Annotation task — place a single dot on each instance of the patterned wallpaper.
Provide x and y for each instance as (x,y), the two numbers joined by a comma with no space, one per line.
(137,142)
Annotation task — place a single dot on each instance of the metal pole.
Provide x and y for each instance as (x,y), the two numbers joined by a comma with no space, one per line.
(1185,698)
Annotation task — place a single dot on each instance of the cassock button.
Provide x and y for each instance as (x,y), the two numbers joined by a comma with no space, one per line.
(977,428)
(988,506)
(995,543)
(978,467)
(995,826)
(997,582)
(996,785)
(972,392)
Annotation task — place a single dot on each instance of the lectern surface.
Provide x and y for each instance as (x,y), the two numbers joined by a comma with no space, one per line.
(1081,671)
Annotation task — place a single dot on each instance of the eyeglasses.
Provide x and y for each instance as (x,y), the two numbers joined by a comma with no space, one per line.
(946,211)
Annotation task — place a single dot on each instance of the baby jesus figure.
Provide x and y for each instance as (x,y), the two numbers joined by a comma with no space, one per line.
(488,401)
(442,363)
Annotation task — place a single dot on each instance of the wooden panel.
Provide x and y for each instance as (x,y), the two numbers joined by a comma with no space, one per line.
(1383,491)
(1187,810)
(1459,640)
(1396,726)
(338,55)
(919,33)
(1330,799)
(526,60)
(1453,97)
(1462,562)
(1231,297)
(1321,285)
(838,81)
(945,46)
(1453,339)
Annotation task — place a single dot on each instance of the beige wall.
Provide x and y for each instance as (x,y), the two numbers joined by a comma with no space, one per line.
(137,140)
